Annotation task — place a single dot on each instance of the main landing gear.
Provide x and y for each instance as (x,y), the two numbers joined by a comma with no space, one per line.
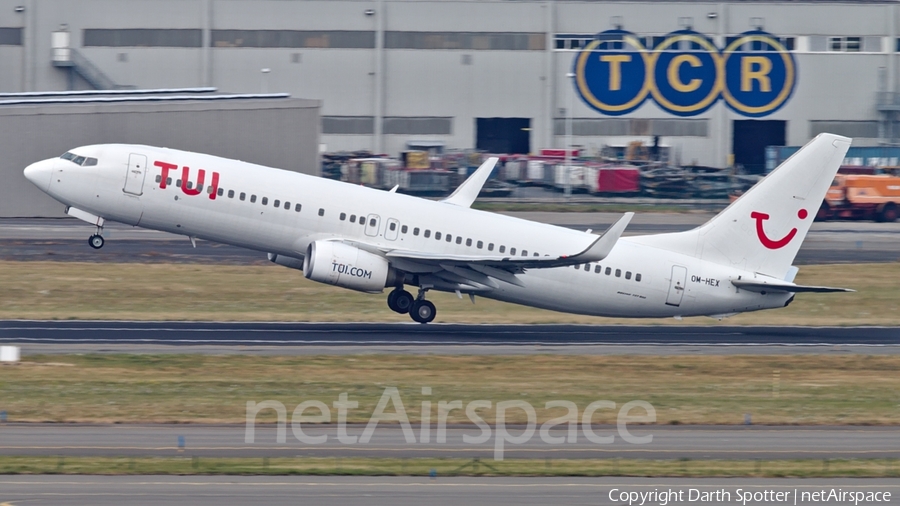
(419,309)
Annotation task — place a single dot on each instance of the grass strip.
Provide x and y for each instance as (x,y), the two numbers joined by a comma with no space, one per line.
(324,466)
(791,389)
(268,292)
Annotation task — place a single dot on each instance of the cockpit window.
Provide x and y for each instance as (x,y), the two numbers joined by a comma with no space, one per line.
(84,161)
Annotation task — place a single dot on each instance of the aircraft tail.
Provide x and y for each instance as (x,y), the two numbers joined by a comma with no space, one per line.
(763,230)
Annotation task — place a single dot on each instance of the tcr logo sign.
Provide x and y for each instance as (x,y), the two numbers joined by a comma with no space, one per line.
(765,239)
(185,177)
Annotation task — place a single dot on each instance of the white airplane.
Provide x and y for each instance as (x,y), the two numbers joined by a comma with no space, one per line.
(367,240)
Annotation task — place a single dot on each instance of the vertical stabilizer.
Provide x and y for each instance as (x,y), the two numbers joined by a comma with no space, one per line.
(763,230)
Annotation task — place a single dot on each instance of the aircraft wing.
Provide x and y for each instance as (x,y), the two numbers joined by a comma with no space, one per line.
(485,269)
(783,286)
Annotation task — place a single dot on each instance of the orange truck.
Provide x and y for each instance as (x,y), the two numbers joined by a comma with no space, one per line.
(862,197)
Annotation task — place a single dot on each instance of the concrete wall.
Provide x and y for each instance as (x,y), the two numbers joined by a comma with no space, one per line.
(280,133)
(463,84)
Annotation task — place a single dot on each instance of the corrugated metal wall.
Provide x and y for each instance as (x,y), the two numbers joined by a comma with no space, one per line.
(282,133)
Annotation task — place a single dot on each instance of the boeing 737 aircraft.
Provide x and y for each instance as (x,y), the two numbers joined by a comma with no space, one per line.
(367,240)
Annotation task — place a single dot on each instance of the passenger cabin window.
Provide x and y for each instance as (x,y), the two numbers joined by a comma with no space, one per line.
(252,198)
(169,181)
(597,269)
(449,238)
(608,271)
(479,245)
(343,216)
(502,249)
(404,229)
(587,267)
(220,191)
(416,231)
(265,201)
(297,208)
(524,252)
(277,203)
(618,273)
(427,233)
(393,226)
(352,218)
(627,274)
(468,242)
(490,246)
(512,251)
(459,239)
(287,205)
(372,222)
(243,196)
(158,178)
(637,277)
(321,212)
(437,235)
(178,183)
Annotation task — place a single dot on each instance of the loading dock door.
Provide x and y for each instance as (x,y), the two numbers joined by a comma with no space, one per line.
(750,139)
(503,135)
(676,286)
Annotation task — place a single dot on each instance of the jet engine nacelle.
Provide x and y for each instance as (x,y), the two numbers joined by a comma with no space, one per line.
(339,264)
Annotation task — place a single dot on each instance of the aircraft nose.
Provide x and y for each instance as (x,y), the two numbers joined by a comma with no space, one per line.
(41,173)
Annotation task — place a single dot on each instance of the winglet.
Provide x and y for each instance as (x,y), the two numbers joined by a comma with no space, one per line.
(471,187)
(601,248)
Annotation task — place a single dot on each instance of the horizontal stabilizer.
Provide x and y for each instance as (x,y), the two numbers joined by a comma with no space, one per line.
(782,286)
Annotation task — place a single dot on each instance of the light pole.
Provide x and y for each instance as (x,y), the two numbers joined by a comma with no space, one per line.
(568,146)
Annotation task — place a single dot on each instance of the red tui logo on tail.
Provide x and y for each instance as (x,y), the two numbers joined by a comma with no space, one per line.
(774,243)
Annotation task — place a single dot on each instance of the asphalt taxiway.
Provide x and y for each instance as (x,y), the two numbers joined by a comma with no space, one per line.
(66,239)
(390,441)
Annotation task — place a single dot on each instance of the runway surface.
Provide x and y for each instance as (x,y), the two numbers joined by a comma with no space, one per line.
(389,440)
(362,335)
(66,239)
(408,491)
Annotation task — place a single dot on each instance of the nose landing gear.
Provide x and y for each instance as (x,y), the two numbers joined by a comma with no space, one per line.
(96,241)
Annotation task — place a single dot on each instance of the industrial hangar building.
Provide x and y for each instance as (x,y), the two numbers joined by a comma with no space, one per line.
(716,81)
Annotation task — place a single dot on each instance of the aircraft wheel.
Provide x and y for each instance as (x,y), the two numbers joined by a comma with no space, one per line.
(96,241)
(400,301)
(422,311)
